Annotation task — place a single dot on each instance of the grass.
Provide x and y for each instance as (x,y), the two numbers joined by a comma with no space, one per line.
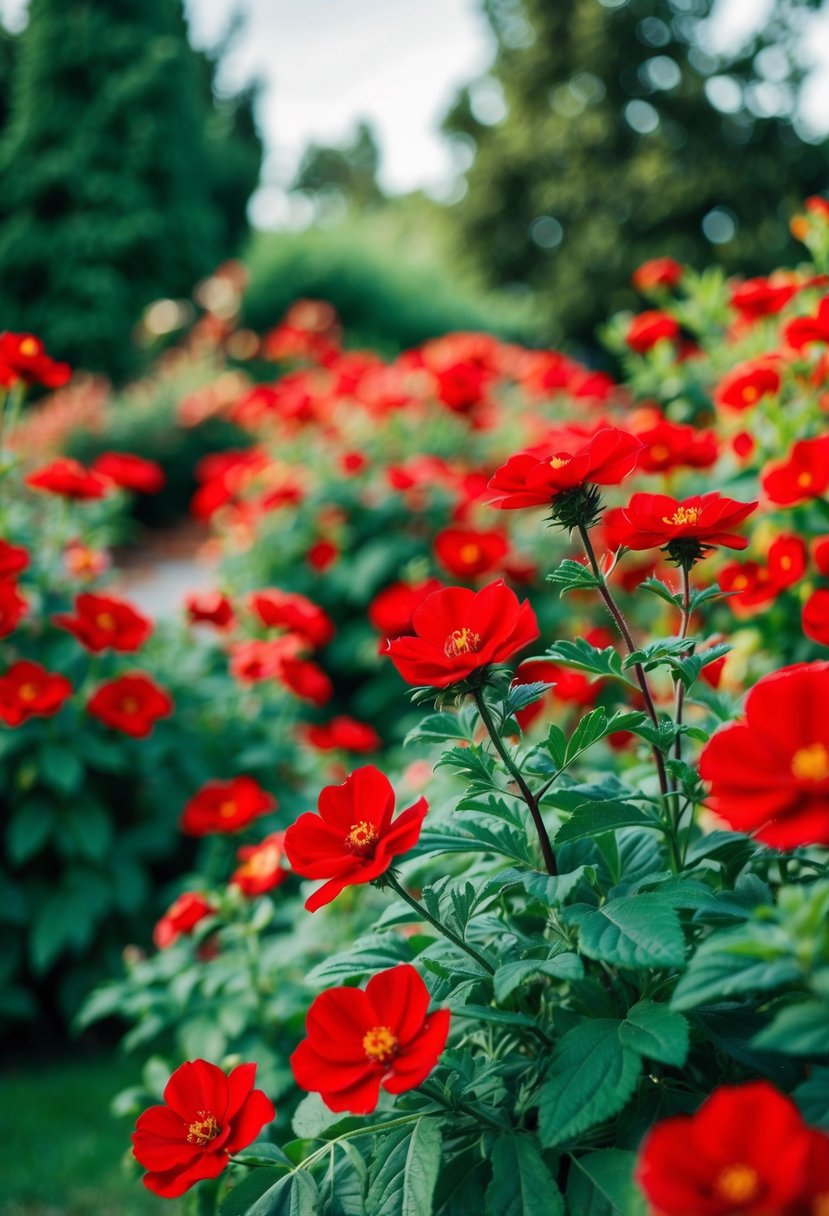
(64,1153)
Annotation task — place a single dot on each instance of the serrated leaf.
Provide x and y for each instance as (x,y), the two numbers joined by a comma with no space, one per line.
(294,1195)
(438,728)
(249,1189)
(797,1030)
(656,1031)
(593,818)
(633,931)
(601,1184)
(564,966)
(312,1117)
(591,1076)
(522,1184)
(572,576)
(580,655)
(410,1160)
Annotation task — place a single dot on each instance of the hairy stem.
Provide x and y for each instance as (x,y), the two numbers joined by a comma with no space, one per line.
(391,881)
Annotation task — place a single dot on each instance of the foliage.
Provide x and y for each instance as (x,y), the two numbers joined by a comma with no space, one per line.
(705,158)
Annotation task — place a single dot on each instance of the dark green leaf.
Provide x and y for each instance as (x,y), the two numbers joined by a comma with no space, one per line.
(590,1078)
(522,1185)
(657,1032)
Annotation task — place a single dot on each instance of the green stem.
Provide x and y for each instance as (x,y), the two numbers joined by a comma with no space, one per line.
(627,636)
(391,881)
(514,771)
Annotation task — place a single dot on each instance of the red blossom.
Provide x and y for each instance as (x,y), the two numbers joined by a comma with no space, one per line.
(14,559)
(353,838)
(358,1041)
(181,918)
(804,331)
(209,608)
(657,272)
(804,473)
(343,734)
(748,383)
(458,632)
(649,328)
(130,703)
(23,359)
(68,479)
(225,806)
(13,608)
(605,459)
(28,690)
(130,472)
(762,297)
(815,616)
(306,680)
(321,555)
(207,1117)
(102,622)
(289,610)
(669,445)
(263,866)
(392,609)
(469,553)
(744,1151)
(651,521)
(769,772)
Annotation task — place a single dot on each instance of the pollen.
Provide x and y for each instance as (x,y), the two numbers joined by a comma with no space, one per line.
(361,837)
(558,462)
(737,1184)
(27,692)
(811,763)
(461,641)
(683,515)
(28,347)
(379,1044)
(203,1129)
(470,553)
(227,809)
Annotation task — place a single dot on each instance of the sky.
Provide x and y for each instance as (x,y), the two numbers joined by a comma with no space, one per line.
(328,63)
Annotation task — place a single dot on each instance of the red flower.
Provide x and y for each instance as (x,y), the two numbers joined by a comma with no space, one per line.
(12,608)
(102,622)
(359,1040)
(392,609)
(207,1116)
(459,632)
(23,359)
(746,384)
(130,703)
(262,659)
(209,608)
(321,555)
(225,806)
(745,1150)
(802,475)
(655,273)
(83,562)
(130,472)
(820,554)
(525,481)
(289,610)
(28,690)
(262,867)
(14,559)
(787,558)
(761,297)
(69,479)
(669,445)
(815,617)
(182,916)
(352,839)
(651,521)
(343,734)
(649,328)
(769,772)
(805,330)
(468,553)
(750,587)
(306,680)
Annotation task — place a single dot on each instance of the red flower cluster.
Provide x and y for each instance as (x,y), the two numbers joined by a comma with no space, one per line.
(225,806)
(207,1116)
(353,839)
(262,867)
(746,1150)
(361,1040)
(130,472)
(23,360)
(527,481)
(102,622)
(130,703)
(769,772)
(68,478)
(459,632)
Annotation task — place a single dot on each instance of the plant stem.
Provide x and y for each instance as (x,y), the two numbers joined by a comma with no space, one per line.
(683,633)
(638,669)
(514,771)
(418,907)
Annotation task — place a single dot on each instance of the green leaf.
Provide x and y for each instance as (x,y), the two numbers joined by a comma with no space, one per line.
(565,966)
(248,1189)
(522,695)
(813,1098)
(312,1117)
(573,576)
(522,1185)
(633,931)
(591,1076)
(30,828)
(582,656)
(294,1195)
(437,728)
(657,1032)
(601,1184)
(732,962)
(797,1030)
(593,818)
(60,768)
(410,1159)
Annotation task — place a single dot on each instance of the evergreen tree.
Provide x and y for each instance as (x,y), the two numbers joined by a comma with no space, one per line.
(108,191)
(604,134)
(348,172)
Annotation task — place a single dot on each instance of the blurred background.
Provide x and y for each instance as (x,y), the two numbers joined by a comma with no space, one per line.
(425,164)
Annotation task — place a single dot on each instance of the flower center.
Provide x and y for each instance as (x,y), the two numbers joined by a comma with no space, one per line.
(28,347)
(379,1044)
(737,1184)
(27,692)
(558,462)
(361,837)
(683,515)
(820,1204)
(660,452)
(750,393)
(105,620)
(470,553)
(129,705)
(461,641)
(811,763)
(804,480)
(227,809)
(203,1129)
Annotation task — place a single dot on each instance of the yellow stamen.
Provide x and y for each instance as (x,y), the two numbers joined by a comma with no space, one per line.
(805,480)
(28,347)
(470,553)
(660,452)
(738,1184)
(750,394)
(203,1129)
(558,462)
(361,838)
(683,515)
(227,809)
(379,1044)
(811,763)
(27,692)
(105,620)
(461,641)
